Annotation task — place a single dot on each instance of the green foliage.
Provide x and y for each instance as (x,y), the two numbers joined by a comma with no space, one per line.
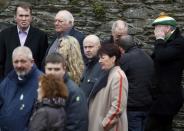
(98,9)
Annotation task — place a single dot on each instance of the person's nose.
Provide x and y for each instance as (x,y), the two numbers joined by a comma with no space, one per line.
(23,17)
(19,64)
(87,49)
(100,60)
(56,23)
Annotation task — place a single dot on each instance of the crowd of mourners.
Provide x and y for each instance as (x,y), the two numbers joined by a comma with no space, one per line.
(81,83)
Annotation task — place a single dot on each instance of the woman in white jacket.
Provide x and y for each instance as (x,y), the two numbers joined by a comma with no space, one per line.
(108,100)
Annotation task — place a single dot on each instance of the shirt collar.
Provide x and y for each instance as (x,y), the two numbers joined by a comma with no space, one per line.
(169,35)
(19,30)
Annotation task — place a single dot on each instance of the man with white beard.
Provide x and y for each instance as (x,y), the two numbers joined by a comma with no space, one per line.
(18,91)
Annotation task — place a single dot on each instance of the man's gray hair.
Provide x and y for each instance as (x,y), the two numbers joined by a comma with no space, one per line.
(118,23)
(23,50)
(67,16)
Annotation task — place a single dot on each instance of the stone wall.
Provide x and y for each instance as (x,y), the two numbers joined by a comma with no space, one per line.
(96,16)
(93,16)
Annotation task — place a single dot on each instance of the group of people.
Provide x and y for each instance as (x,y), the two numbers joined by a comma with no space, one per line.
(79,83)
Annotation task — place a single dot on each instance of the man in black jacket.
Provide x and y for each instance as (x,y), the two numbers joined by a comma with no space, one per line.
(168,58)
(138,67)
(22,34)
(92,70)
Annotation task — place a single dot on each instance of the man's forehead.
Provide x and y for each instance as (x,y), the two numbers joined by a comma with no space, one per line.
(53,65)
(59,16)
(120,31)
(120,28)
(89,43)
(20,57)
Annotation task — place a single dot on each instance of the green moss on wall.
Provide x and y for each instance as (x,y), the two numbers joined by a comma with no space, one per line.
(98,9)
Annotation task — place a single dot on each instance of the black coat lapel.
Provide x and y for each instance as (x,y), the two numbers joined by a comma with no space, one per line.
(99,85)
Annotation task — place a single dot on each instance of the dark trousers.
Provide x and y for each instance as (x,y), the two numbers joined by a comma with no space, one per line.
(136,120)
(159,123)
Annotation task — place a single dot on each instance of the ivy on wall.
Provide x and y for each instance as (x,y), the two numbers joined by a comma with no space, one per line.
(98,9)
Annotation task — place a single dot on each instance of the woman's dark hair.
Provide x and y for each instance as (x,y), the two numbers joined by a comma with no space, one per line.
(111,50)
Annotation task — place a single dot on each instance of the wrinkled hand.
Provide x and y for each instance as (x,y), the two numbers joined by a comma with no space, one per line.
(159,33)
(108,127)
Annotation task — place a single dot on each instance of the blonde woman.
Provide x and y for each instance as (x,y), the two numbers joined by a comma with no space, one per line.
(70,49)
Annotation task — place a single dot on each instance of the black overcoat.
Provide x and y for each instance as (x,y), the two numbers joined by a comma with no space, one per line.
(169,62)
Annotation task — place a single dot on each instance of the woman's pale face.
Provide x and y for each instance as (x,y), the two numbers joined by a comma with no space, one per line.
(106,62)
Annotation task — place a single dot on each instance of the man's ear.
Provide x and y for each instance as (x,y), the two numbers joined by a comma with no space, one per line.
(32,61)
(70,23)
(121,50)
(99,46)
(31,18)
(15,18)
(64,66)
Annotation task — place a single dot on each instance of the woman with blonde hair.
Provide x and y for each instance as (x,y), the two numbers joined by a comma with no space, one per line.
(49,113)
(70,49)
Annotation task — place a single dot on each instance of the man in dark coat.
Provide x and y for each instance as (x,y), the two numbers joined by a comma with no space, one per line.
(92,70)
(64,25)
(169,62)
(18,91)
(76,104)
(139,69)
(23,34)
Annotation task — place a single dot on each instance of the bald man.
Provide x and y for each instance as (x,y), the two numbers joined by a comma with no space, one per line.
(64,25)
(92,70)
(18,91)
